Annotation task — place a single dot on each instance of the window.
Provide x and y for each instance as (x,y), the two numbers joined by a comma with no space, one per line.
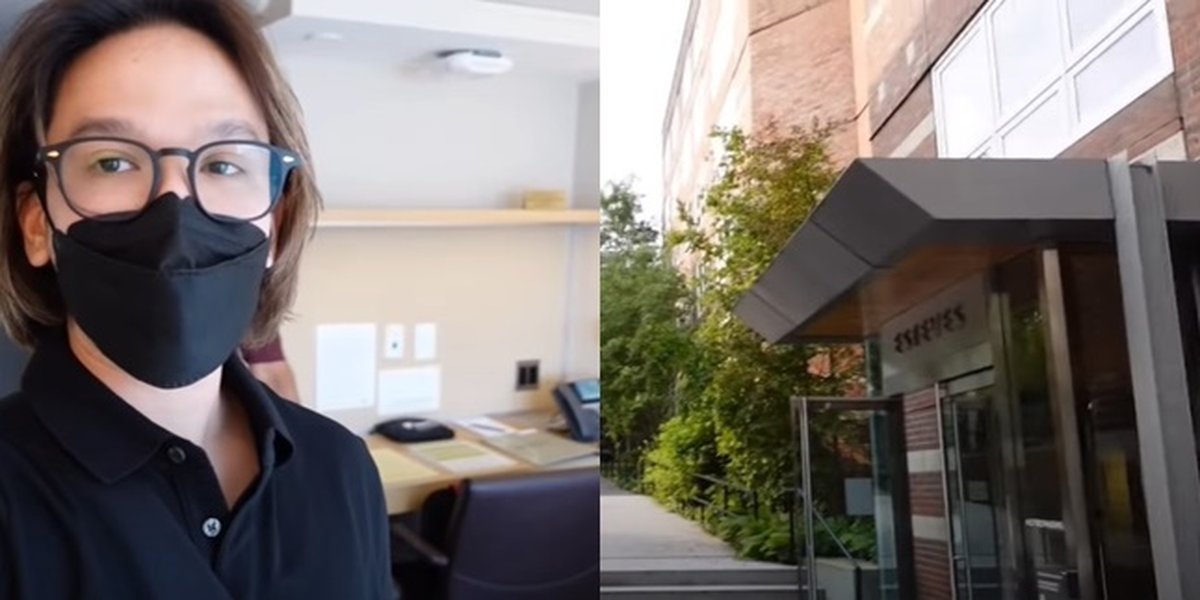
(1027,78)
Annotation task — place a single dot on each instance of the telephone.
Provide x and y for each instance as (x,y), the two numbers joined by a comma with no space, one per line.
(579,402)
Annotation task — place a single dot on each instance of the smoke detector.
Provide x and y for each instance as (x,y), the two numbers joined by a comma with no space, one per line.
(479,63)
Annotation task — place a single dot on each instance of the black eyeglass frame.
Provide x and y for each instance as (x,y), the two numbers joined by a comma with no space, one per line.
(52,153)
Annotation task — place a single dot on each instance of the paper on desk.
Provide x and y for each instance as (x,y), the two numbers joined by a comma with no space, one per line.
(461,457)
(410,390)
(541,448)
(345,370)
(486,426)
(395,467)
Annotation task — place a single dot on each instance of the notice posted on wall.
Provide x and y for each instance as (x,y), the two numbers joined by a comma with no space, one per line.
(345,369)
(425,341)
(410,390)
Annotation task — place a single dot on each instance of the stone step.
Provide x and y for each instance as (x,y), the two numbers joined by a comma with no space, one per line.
(713,592)
(676,572)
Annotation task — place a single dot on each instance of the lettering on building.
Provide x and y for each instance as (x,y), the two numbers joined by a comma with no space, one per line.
(930,329)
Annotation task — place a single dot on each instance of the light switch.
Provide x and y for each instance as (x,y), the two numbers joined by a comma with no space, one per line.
(393,342)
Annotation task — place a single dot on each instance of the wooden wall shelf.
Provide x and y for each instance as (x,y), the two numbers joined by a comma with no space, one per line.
(344,218)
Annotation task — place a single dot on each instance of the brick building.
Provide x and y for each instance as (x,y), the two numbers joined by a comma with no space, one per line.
(1032,312)
(738,67)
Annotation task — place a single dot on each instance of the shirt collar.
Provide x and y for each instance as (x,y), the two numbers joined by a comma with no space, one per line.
(110,438)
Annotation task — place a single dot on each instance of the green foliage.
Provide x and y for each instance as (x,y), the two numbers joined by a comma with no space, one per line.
(642,344)
(762,537)
(766,536)
(685,446)
(687,386)
(857,534)
(768,186)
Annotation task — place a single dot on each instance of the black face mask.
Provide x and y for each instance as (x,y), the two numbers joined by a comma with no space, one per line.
(168,295)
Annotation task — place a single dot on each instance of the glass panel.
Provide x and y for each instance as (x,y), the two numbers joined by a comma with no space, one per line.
(1026,34)
(1041,133)
(856,469)
(966,98)
(973,479)
(1039,513)
(1104,400)
(1109,80)
(1086,17)
(1185,256)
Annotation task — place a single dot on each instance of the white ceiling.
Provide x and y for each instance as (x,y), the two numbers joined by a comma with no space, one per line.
(552,39)
(555,38)
(583,7)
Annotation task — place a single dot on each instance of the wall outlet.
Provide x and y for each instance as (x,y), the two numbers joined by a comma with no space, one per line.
(527,375)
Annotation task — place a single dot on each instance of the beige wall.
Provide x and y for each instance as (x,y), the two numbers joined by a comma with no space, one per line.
(498,295)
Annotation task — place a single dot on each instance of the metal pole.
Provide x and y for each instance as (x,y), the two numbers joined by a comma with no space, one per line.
(965,555)
(1166,439)
(940,403)
(1074,492)
(809,526)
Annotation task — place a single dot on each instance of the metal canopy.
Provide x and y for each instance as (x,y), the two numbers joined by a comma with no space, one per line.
(892,232)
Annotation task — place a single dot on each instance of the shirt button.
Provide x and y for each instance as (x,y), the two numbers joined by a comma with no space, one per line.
(212,527)
(176,454)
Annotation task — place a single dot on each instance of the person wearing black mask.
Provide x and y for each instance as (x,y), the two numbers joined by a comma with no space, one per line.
(156,192)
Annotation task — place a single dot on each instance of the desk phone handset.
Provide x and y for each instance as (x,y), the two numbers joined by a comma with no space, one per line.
(579,402)
(412,429)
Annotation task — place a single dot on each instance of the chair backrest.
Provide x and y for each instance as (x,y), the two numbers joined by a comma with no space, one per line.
(530,537)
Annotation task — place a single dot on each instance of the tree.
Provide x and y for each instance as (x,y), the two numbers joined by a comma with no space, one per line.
(643,345)
(767,186)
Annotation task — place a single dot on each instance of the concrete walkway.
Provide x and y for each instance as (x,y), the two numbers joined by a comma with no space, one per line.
(638,534)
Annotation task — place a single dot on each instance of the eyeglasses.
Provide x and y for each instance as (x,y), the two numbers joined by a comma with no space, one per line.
(113,179)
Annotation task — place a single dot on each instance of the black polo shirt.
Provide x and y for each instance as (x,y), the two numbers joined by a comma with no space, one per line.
(96,501)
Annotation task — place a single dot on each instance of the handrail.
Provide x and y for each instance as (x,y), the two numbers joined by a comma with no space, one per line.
(845,552)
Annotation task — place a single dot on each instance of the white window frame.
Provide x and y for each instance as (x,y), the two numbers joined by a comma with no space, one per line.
(1073,61)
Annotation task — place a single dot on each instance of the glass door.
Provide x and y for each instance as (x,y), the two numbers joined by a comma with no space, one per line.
(973,478)
(852,499)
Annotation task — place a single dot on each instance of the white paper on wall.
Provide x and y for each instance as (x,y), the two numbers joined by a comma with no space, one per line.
(410,390)
(425,341)
(345,373)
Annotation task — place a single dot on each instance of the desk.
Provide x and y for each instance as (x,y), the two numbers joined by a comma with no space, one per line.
(407,495)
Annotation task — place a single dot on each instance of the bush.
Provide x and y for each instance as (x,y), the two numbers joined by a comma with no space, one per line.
(757,537)
(766,537)
(686,447)
(857,534)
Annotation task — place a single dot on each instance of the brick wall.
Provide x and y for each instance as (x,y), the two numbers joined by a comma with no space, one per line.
(1184,21)
(907,124)
(931,554)
(932,566)
(801,69)
(903,43)
(765,13)
(920,421)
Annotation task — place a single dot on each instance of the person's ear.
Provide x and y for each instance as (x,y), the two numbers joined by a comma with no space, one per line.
(35,227)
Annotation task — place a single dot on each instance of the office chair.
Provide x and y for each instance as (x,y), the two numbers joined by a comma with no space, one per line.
(533,536)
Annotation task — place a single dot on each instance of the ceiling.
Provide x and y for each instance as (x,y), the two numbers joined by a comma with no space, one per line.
(556,38)
(583,7)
